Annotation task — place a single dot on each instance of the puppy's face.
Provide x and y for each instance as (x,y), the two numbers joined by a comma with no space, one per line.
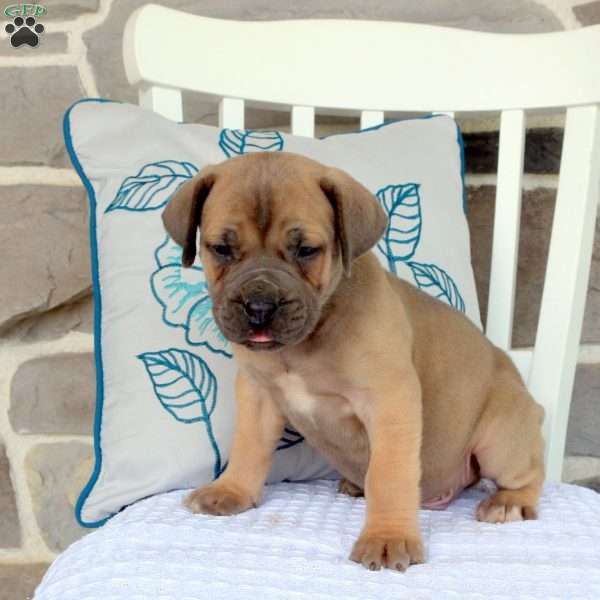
(269,250)
(277,233)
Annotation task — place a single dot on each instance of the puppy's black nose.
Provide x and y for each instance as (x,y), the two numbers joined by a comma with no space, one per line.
(260,311)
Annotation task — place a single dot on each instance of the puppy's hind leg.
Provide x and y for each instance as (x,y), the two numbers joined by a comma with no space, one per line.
(347,487)
(511,453)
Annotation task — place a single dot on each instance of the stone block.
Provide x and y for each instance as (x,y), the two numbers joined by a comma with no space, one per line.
(33,114)
(542,151)
(54,394)
(583,434)
(588,14)
(45,250)
(53,324)
(50,43)
(593,483)
(18,582)
(10,530)
(580,468)
(56,473)
(69,9)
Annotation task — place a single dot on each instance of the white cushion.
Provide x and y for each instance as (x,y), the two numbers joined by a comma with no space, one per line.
(165,373)
(296,545)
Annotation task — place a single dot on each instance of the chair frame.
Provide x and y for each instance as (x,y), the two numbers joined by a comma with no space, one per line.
(363,68)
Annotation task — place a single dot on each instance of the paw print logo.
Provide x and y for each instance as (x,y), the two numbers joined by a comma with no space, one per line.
(24,31)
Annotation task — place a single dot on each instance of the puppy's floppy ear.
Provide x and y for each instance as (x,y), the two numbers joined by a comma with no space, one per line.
(183,214)
(359,219)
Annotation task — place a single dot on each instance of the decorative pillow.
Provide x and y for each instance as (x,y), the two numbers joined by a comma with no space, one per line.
(165,394)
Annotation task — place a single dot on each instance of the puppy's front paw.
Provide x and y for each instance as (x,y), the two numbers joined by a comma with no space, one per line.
(394,551)
(219,499)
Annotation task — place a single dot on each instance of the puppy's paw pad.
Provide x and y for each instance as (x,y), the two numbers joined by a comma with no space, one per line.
(494,510)
(375,551)
(218,499)
(350,489)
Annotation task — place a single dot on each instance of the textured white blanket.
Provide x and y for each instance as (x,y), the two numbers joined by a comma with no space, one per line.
(295,546)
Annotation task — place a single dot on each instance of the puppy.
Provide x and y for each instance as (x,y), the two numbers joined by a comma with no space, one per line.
(403,394)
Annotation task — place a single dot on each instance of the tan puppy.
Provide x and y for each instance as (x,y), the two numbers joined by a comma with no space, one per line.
(405,397)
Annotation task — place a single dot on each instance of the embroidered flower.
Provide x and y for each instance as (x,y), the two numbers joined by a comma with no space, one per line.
(183,294)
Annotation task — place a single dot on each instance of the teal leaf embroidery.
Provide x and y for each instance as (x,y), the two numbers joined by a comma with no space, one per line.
(183,295)
(169,253)
(242,141)
(153,186)
(402,204)
(186,388)
(438,283)
(289,438)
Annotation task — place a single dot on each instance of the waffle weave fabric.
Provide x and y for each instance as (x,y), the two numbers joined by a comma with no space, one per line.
(296,545)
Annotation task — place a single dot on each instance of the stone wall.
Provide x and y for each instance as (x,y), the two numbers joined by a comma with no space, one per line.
(46,365)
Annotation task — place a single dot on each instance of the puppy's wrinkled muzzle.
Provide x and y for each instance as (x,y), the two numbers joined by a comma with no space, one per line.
(260,312)
(265,306)
(260,298)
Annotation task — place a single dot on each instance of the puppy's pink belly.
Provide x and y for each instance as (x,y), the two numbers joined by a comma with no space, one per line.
(468,475)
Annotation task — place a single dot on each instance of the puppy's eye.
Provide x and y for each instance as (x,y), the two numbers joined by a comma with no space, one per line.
(306,252)
(222,251)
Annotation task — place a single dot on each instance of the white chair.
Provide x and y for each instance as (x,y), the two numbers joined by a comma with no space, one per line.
(367,69)
(352,67)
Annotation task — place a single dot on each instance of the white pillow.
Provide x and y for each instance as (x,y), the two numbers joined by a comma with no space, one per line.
(165,398)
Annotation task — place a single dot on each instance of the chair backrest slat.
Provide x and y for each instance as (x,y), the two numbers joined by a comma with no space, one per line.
(567,273)
(164,101)
(231,113)
(503,273)
(522,359)
(371,118)
(303,121)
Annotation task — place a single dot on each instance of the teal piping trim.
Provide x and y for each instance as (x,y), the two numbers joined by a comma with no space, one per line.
(97,318)
(461,144)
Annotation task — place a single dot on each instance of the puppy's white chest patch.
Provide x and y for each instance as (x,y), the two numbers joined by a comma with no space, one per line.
(296,394)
